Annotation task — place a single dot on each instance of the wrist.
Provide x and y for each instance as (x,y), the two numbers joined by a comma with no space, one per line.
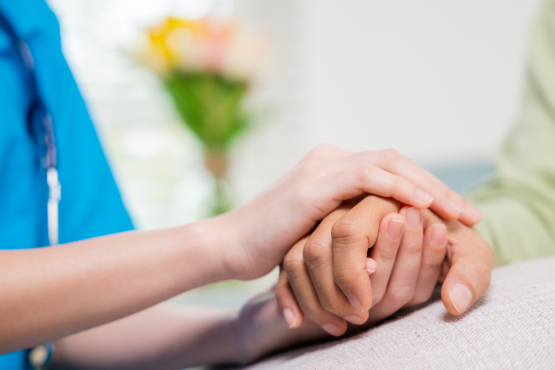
(207,240)
(229,244)
(227,350)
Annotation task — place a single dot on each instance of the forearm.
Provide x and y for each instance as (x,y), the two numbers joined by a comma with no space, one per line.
(49,293)
(163,337)
(173,337)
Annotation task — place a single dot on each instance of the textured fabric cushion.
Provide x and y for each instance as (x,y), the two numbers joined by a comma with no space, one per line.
(512,327)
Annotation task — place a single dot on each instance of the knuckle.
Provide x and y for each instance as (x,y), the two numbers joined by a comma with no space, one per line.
(362,173)
(320,150)
(391,156)
(293,265)
(386,255)
(344,230)
(414,247)
(333,305)
(315,250)
(409,161)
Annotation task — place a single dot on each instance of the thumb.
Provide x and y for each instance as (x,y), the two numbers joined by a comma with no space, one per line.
(469,276)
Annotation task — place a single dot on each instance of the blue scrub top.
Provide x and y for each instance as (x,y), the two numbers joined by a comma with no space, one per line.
(91,204)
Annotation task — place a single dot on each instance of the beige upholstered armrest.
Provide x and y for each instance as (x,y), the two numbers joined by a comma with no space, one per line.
(513,326)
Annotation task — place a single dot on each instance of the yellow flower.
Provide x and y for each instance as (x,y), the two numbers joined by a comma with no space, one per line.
(202,45)
(161,36)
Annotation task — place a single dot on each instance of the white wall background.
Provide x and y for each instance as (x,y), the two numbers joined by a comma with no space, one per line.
(438,80)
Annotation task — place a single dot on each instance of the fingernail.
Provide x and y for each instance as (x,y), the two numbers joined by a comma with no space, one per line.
(357,320)
(370,266)
(413,218)
(333,329)
(461,297)
(355,303)
(439,235)
(473,211)
(394,229)
(455,207)
(289,318)
(423,196)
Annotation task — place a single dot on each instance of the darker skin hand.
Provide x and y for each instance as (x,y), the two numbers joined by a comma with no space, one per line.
(325,276)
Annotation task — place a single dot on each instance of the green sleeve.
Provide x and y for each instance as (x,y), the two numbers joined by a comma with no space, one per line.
(518,202)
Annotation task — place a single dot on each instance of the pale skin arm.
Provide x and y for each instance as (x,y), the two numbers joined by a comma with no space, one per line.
(49,293)
(52,292)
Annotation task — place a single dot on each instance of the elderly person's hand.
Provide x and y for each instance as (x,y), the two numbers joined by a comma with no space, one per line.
(325,276)
(466,270)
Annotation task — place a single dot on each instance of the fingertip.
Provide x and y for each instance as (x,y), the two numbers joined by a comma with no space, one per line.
(455,207)
(357,319)
(448,208)
(456,298)
(394,225)
(438,235)
(403,210)
(414,218)
(426,199)
(336,329)
(371,266)
(355,302)
(471,215)
(290,318)
(395,217)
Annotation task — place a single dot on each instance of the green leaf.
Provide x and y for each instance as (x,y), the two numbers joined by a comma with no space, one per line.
(211,106)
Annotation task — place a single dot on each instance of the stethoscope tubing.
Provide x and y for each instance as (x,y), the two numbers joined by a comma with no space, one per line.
(49,161)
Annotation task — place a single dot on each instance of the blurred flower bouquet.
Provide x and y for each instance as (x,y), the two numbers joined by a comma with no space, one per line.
(207,66)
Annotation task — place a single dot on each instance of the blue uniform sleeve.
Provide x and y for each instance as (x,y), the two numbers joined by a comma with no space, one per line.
(91,203)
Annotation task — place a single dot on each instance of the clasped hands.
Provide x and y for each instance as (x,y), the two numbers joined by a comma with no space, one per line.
(369,256)
(372,257)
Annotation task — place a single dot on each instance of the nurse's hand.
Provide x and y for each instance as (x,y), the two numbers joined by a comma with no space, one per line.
(256,236)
